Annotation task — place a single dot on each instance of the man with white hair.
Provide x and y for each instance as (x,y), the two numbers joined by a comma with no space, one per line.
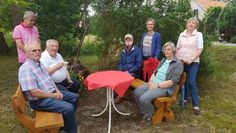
(24,33)
(56,67)
(42,93)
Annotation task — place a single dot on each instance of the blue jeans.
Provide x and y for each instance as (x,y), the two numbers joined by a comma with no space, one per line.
(72,88)
(191,85)
(67,106)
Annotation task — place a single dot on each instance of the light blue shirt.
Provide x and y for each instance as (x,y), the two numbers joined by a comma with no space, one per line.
(161,73)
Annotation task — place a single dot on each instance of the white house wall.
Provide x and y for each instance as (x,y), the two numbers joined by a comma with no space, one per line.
(201,10)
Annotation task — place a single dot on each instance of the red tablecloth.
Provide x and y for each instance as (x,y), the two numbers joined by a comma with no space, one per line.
(117,80)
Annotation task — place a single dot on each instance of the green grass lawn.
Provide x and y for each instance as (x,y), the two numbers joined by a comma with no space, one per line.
(217,96)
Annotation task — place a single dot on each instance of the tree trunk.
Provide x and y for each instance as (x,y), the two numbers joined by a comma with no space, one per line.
(3,45)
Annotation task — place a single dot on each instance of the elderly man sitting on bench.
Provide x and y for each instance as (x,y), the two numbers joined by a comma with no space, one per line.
(162,82)
(41,91)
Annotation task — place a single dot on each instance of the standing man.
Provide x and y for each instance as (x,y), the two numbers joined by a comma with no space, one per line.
(56,67)
(24,33)
(42,93)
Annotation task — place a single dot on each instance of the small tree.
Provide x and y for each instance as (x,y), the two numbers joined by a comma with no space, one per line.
(227,20)
(57,17)
(116,19)
(121,17)
(210,20)
(10,12)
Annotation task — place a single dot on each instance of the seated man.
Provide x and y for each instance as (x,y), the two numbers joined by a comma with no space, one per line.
(41,91)
(130,59)
(162,83)
(54,63)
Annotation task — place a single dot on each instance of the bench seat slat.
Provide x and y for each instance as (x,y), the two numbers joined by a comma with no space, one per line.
(48,120)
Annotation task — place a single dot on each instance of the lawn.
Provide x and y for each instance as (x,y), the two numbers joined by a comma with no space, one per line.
(217,98)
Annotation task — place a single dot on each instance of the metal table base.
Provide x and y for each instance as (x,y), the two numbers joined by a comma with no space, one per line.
(110,103)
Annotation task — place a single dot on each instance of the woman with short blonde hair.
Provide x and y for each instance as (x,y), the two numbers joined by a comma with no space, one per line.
(189,49)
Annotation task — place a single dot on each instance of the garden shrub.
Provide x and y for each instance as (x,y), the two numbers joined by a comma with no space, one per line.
(233,39)
(88,49)
(67,45)
(207,64)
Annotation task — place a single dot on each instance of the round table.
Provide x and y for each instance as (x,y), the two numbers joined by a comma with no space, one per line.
(117,81)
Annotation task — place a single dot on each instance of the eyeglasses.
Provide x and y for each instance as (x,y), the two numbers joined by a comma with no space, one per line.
(167,49)
(36,50)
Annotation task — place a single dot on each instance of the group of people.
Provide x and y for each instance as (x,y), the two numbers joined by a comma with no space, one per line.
(183,57)
(47,85)
(43,76)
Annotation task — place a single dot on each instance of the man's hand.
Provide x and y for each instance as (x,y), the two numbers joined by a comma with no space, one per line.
(60,65)
(58,95)
(70,82)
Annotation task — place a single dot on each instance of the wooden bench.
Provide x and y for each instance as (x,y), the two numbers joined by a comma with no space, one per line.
(44,122)
(163,104)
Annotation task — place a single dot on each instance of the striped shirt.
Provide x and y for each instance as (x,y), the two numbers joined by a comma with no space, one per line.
(34,75)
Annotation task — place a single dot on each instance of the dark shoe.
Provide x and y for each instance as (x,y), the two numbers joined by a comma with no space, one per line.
(196,111)
(147,117)
(118,100)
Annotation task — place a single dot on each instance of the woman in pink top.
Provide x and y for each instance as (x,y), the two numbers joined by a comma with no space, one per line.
(189,49)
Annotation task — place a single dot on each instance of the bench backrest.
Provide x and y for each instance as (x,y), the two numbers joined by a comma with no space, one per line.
(19,105)
(180,83)
(19,100)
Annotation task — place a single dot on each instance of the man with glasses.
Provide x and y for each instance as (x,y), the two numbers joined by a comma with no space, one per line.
(24,33)
(42,93)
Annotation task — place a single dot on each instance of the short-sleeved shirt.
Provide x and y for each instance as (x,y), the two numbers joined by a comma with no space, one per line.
(188,45)
(27,34)
(147,42)
(48,61)
(34,75)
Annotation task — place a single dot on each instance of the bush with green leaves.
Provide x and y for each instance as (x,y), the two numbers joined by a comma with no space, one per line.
(118,18)
(207,64)
(67,45)
(89,49)
(233,39)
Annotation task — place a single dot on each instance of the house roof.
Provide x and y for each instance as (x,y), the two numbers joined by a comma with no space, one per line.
(205,4)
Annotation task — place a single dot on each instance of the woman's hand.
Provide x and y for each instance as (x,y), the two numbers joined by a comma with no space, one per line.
(188,61)
(151,85)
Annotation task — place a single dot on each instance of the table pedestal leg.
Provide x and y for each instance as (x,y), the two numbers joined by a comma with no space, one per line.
(110,97)
(110,102)
(115,105)
(105,106)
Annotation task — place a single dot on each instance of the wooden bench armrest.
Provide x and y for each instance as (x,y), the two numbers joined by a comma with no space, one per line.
(137,82)
(165,99)
(46,120)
